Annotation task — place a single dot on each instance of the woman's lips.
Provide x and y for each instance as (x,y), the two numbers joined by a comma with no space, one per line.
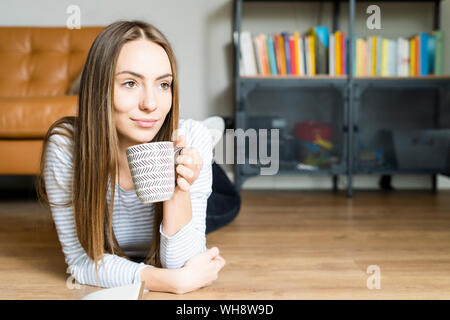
(145,123)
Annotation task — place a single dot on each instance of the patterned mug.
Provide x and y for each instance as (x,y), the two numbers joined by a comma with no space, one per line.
(152,167)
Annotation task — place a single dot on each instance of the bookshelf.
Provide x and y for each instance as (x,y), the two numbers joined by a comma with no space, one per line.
(345,102)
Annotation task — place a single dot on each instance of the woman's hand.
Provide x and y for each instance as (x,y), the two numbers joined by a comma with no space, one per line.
(188,165)
(200,271)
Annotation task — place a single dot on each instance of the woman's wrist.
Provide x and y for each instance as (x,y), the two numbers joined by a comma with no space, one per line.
(163,280)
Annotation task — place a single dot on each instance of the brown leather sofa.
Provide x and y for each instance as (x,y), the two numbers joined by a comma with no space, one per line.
(38,66)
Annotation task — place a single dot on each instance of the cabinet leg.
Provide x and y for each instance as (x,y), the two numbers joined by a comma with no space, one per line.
(335,183)
(349,186)
(434,183)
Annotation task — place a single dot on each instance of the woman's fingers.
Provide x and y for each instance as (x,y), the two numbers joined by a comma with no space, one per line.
(212,252)
(183,184)
(185,171)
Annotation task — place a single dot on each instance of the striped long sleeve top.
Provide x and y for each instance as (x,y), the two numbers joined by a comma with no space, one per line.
(132,220)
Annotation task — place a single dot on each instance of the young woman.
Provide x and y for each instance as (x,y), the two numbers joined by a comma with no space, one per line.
(129,95)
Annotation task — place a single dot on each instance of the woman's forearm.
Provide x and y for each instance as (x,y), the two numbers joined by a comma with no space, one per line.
(177,212)
(162,280)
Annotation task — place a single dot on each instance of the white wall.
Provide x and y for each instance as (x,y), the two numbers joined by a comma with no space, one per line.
(200,32)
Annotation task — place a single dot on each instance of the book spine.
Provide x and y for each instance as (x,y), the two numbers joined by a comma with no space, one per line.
(431,53)
(265,57)
(412,53)
(276,45)
(297,52)
(379,56)
(373,71)
(257,57)
(439,52)
(369,56)
(282,54)
(364,57)
(331,54)
(292,55)
(313,55)
(337,59)
(343,53)
(272,59)
(417,70)
(384,58)
(423,54)
(287,52)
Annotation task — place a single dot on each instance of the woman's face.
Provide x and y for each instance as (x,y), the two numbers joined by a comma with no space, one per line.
(142,91)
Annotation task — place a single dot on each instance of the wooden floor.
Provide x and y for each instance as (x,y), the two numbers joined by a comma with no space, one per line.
(283,245)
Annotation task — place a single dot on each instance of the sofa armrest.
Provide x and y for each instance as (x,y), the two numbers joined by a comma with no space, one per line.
(31,117)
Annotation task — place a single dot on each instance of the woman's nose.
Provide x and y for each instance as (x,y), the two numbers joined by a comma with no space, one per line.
(148,100)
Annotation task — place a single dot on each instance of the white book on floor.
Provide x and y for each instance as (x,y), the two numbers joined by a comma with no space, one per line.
(129,292)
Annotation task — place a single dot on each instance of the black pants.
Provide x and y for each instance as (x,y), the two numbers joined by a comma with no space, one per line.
(224,202)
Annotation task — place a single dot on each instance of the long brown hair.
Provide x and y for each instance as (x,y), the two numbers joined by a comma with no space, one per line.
(95,141)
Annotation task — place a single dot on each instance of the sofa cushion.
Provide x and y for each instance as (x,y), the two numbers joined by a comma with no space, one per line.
(28,117)
(42,61)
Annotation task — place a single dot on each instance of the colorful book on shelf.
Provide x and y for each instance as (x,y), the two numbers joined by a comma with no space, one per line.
(423,65)
(418,55)
(287,54)
(276,46)
(301,52)
(373,70)
(384,57)
(344,54)
(402,57)
(312,54)
(331,56)
(248,55)
(393,58)
(257,57)
(282,54)
(369,56)
(296,40)
(320,36)
(293,56)
(271,54)
(439,52)
(345,58)
(358,57)
(263,54)
(431,53)
(337,46)
(307,55)
(364,58)
(412,53)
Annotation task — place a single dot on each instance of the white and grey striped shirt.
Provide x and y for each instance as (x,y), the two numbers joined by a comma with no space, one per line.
(132,219)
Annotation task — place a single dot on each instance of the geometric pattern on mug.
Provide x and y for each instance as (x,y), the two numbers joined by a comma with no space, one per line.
(149,162)
(149,155)
(156,178)
(155,197)
(160,145)
(157,168)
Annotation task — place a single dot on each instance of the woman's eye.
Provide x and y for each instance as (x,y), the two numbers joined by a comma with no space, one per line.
(129,82)
(166,85)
